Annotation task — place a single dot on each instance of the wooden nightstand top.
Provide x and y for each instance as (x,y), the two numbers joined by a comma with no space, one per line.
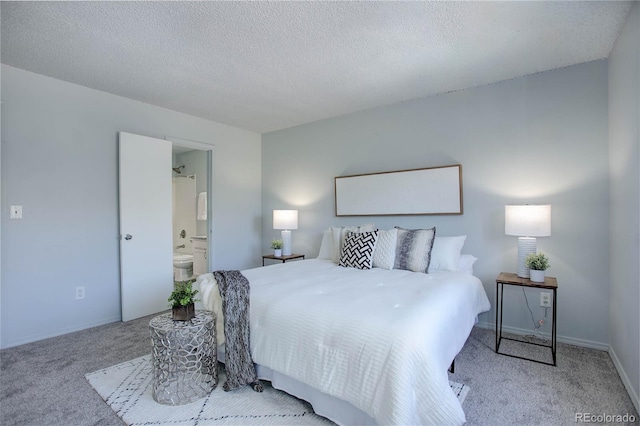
(511,278)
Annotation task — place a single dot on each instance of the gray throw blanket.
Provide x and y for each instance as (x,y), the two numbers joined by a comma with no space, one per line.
(234,291)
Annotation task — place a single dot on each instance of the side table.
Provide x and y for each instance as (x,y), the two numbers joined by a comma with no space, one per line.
(550,283)
(185,367)
(282,258)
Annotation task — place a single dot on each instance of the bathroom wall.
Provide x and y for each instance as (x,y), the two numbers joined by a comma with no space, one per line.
(195,163)
(184,213)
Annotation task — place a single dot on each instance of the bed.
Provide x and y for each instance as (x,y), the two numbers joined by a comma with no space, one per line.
(363,346)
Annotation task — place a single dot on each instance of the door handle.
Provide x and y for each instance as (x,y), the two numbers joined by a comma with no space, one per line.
(128,237)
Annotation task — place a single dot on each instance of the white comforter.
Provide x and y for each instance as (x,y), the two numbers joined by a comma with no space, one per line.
(381,340)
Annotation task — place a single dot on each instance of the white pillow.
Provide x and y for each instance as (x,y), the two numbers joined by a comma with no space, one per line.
(384,254)
(413,250)
(340,232)
(326,246)
(466,263)
(445,255)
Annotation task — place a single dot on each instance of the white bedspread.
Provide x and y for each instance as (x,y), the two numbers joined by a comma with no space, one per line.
(381,340)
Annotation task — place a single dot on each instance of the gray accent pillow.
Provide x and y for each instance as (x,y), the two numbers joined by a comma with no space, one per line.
(413,250)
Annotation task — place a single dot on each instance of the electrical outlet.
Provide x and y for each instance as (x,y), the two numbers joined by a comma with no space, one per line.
(79,293)
(15,212)
(545,300)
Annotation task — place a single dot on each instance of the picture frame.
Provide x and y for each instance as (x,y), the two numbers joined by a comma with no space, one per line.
(426,191)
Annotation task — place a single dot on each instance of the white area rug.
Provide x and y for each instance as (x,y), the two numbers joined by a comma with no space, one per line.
(126,388)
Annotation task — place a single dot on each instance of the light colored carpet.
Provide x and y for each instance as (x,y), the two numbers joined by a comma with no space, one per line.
(126,387)
(43,383)
(509,391)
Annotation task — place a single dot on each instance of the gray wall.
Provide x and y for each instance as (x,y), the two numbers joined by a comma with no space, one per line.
(536,139)
(624,237)
(59,161)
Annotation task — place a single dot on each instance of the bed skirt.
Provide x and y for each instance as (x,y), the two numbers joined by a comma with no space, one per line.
(337,410)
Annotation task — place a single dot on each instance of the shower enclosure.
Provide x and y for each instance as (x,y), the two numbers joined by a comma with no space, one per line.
(184,213)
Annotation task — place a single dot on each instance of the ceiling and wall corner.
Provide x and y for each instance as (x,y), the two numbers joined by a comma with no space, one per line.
(264,66)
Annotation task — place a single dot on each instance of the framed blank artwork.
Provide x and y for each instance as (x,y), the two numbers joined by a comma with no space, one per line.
(429,191)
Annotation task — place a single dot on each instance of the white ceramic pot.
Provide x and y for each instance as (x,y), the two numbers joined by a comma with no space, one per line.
(536,276)
(277,252)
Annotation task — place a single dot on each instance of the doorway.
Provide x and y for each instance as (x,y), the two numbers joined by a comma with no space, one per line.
(145,203)
(193,158)
(191,210)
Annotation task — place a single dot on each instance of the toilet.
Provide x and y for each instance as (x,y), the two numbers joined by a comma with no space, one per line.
(182,266)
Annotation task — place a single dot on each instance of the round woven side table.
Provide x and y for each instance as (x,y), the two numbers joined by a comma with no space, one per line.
(183,357)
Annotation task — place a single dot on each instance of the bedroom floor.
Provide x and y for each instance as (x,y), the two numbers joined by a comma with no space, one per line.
(43,383)
(506,390)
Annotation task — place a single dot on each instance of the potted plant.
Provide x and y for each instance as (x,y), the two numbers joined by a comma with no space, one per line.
(182,301)
(537,264)
(276,245)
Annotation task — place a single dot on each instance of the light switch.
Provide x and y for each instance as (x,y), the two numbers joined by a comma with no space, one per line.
(15,212)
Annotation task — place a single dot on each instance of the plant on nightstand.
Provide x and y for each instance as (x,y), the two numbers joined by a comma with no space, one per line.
(537,264)
(276,245)
(182,301)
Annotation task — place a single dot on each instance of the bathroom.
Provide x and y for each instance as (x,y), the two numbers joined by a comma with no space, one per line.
(190,221)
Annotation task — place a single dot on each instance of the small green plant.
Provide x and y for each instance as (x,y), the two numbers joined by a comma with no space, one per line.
(182,295)
(276,244)
(537,262)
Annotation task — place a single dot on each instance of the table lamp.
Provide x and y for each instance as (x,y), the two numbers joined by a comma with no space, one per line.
(285,220)
(527,222)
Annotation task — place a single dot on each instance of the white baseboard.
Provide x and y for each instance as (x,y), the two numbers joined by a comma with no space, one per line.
(625,379)
(564,339)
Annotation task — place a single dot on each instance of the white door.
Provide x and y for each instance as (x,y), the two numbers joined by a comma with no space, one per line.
(146,246)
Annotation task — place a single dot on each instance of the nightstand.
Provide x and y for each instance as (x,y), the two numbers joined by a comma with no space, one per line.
(282,258)
(550,283)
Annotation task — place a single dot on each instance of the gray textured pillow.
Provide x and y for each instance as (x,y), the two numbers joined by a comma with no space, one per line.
(413,250)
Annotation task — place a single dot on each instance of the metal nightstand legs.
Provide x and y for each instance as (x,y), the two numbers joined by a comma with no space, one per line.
(499,336)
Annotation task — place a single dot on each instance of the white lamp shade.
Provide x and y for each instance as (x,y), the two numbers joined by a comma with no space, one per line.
(285,219)
(527,220)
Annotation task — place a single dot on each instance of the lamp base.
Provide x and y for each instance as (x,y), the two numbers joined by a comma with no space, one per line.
(526,246)
(286,242)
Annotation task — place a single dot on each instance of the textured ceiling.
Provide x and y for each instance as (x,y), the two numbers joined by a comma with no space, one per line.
(265,66)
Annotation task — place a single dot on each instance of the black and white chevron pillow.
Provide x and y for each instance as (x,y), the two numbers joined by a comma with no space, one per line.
(357,251)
